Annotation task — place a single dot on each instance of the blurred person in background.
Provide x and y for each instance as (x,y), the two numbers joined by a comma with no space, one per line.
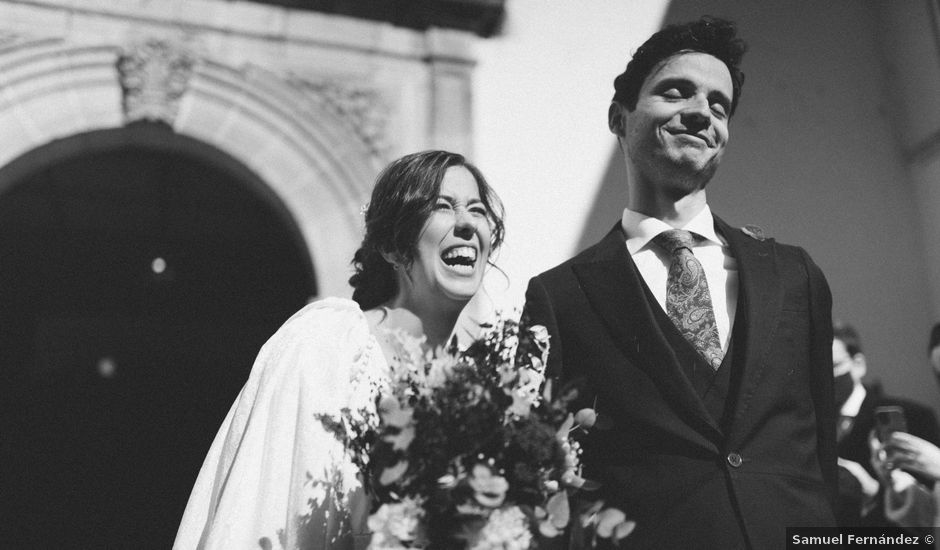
(933,351)
(857,401)
(910,467)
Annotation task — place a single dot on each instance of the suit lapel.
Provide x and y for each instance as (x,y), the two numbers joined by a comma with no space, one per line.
(616,292)
(760,289)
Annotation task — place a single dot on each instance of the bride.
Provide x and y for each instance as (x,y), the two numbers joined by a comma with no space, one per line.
(274,478)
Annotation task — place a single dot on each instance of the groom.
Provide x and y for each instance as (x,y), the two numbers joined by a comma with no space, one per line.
(708,346)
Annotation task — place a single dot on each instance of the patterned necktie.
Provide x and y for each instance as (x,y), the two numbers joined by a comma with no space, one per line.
(688,302)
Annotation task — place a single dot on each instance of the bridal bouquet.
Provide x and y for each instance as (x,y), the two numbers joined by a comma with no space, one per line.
(469,449)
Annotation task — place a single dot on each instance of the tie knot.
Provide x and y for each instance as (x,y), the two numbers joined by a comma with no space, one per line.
(675,239)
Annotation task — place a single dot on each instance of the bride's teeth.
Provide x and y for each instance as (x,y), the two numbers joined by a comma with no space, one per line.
(461,255)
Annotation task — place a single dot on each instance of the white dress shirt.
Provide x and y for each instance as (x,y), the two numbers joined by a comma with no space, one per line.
(721,269)
(854,402)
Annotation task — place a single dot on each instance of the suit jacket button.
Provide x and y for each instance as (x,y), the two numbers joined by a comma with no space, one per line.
(735,460)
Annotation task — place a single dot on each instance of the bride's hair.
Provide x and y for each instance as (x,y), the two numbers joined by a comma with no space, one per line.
(403,198)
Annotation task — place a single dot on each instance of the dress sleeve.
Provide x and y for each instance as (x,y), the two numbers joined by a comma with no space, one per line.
(272,471)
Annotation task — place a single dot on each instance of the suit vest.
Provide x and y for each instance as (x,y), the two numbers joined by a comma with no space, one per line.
(716,388)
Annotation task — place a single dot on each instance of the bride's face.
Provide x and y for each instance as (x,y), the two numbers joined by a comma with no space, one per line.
(454,245)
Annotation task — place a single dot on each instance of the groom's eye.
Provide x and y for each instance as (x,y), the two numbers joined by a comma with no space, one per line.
(672,93)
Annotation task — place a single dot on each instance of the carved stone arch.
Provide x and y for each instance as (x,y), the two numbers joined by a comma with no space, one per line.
(319,155)
(313,159)
(50,89)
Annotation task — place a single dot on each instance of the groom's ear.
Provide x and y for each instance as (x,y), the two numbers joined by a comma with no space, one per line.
(615,119)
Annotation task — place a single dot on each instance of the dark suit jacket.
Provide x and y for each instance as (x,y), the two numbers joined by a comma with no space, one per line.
(689,479)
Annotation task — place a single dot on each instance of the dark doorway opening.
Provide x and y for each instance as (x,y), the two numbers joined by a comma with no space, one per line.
(140,272)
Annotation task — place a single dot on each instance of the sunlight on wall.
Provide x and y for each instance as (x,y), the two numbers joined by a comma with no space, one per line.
(541,94)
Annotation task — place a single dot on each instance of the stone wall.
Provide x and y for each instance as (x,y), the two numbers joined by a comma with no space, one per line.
(314,104)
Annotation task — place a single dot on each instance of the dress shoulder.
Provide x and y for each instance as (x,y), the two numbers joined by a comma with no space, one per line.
(323,336)
(325,351)
(333,321)
(273,466)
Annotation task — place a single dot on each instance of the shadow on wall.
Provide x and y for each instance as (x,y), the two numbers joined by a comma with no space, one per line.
(610,201)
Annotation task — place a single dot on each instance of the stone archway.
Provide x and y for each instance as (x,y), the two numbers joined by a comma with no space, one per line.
(317,144)
(105,444)
(141,273)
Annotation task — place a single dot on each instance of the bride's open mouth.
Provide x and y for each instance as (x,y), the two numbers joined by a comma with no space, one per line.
(460,258)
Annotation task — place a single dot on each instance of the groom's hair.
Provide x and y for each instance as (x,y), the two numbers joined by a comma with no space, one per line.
(711,35)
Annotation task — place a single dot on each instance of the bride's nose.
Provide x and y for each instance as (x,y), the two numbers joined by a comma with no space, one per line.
(463,223)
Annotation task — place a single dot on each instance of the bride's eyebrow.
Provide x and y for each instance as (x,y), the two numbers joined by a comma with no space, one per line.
(453,200)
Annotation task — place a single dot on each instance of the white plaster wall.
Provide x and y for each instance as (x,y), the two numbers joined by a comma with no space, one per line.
(911,49)
(926,177)
(542,90)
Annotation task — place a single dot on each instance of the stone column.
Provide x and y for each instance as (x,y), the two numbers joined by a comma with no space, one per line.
(451,63)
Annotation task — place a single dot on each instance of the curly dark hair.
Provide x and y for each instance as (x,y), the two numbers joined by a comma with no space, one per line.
(402,200)
(847,334)
(711,35)
(934,340)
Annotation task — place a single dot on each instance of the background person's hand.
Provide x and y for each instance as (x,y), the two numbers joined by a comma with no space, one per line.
(868,484)
(879,458)
(913,454)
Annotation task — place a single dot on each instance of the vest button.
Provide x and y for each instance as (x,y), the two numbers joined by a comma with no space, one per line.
(735,460)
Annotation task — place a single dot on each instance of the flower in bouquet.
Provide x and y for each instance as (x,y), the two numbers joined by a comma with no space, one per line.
(505,529)
(397,525)
(469,449)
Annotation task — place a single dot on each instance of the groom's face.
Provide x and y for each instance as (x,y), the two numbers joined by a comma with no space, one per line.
(679,128)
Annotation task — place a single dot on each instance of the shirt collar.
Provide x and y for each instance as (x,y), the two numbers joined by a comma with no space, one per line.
(853,404)
(640,228)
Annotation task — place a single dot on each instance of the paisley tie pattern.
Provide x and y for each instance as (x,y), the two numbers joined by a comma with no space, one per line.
(688,302)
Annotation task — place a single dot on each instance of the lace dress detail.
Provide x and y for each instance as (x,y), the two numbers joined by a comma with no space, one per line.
(274,477)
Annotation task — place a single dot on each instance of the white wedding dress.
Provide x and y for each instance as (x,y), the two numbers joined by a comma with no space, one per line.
(272,473)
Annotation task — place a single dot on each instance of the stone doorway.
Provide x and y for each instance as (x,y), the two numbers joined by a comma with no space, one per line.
(140,272)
